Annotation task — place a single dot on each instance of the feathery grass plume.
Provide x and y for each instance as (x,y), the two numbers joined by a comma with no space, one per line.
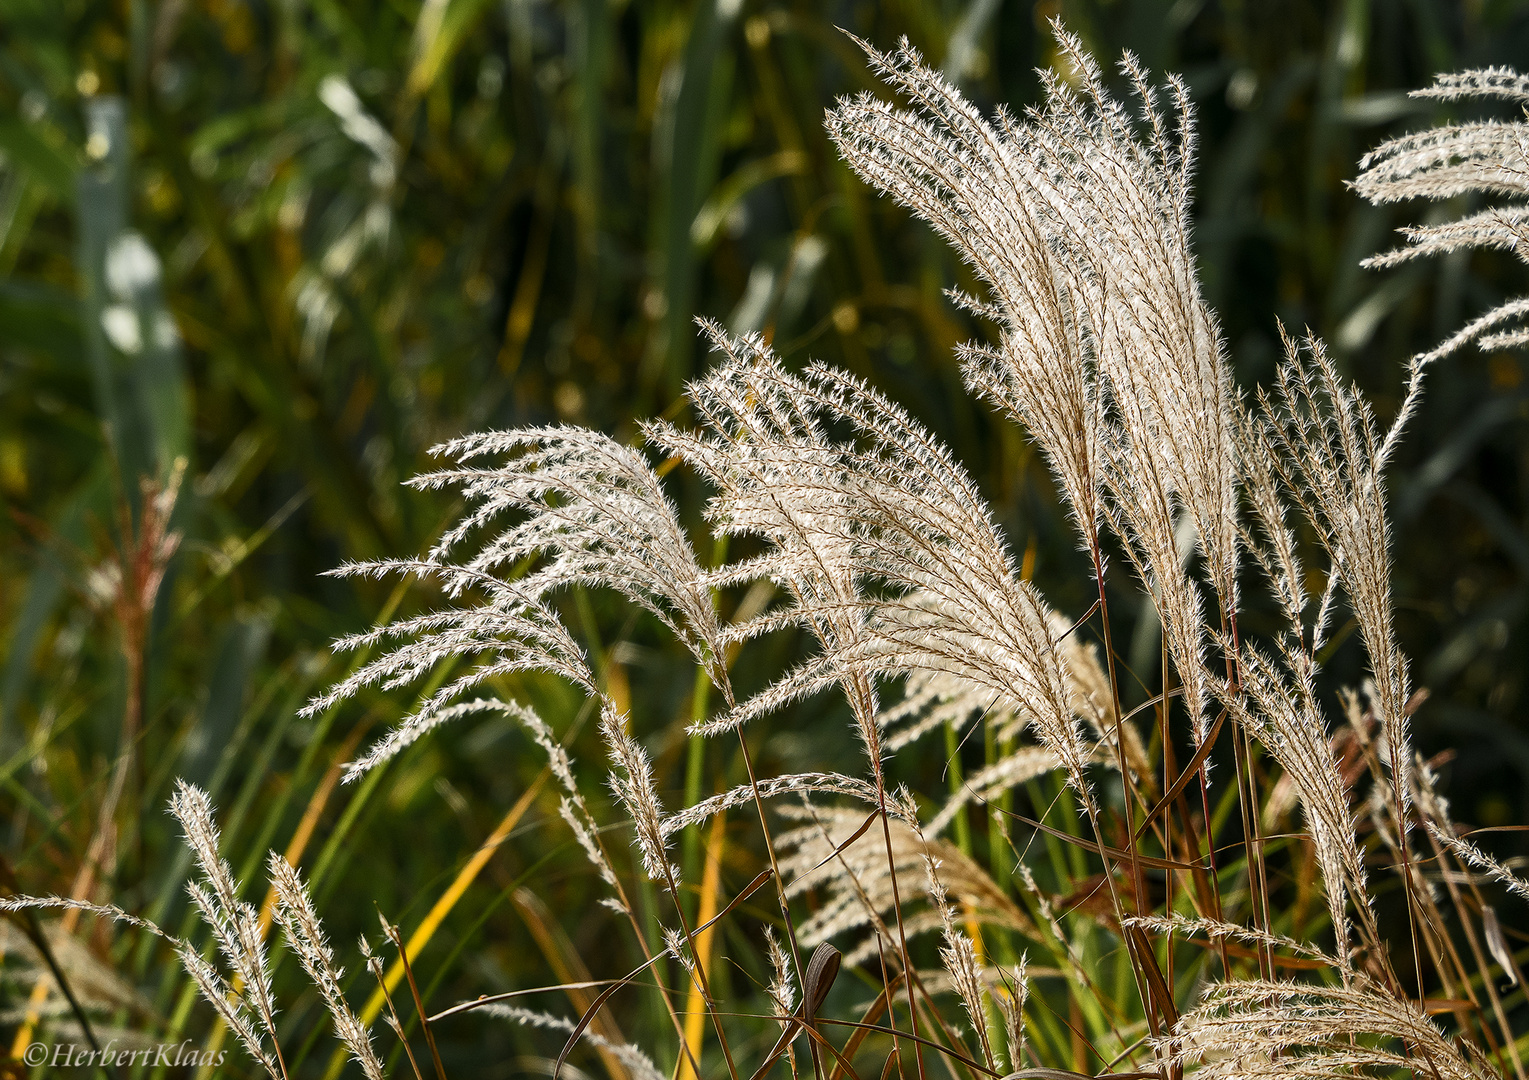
(632,781)
(294,912)
(1088,685)
(1110,357)
(1323,440)
(952,167)
(889,551)
(1010,989)
(640,1064)
(1216,929)
(22,902)
(1256,1028)
(779,476)
(513,631)
(790,784)
(594,513)
(1472,855)
(933,698)
(782,988)
(858,884)
(1488,157)
(1142,511)
(557,758)
(572,808)
(235,925)
(674,945)
(245,1002)
(1127,210)
(230,1007)
(1268,537)
(598,509)
(988,783)
(959,956)
(1122,205)
(1279,706)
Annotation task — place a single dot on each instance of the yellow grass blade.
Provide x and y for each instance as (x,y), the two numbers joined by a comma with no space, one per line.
(437,914)
(568,967)
(695,1008)
(315,809)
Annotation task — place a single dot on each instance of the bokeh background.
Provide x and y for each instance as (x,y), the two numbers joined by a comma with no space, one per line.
(295,243)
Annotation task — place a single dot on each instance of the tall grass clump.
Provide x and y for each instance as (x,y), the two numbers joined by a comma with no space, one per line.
(1152,914)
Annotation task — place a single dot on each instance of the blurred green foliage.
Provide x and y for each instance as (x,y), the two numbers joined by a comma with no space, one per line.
(297,243)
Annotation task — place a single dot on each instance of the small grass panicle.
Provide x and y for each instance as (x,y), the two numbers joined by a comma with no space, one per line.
(300,923)
(1487,157)
(242,995)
